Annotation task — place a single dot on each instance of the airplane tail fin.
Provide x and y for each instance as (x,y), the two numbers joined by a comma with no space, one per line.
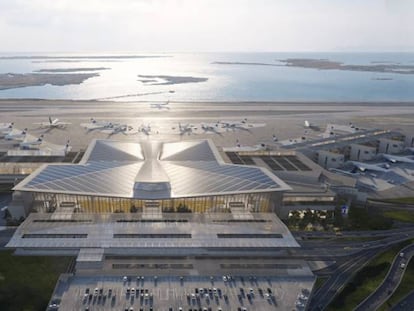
(50,120)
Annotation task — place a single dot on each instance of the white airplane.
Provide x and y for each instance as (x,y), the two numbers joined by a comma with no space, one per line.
(210,129)
(231,124)
(6,127)
(16,135)
(382,167)
(239,147)
(185,129)
(97,125)
(53,123)
(122,128)
(311,126)
(160,105)
(395,159)
(146,129)
(241,125)
(29,144)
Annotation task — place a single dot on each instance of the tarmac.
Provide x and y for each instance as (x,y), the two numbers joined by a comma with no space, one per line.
(284,120)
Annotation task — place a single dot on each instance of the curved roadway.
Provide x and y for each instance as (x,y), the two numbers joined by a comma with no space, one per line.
(406,304)
(390,283)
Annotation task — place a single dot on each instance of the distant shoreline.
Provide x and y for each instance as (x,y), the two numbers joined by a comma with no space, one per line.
(233,102)
(326,64)
(103,57)
(70,70)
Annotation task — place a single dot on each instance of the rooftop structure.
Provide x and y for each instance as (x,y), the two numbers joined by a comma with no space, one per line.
(151,170)
(303,176)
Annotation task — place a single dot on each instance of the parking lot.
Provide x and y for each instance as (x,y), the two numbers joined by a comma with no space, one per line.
(187,293)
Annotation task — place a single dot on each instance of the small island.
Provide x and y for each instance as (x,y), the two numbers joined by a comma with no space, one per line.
(18,80)
(325,64)
(168,80)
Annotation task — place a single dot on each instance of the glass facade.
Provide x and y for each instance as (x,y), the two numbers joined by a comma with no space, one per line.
(253,202)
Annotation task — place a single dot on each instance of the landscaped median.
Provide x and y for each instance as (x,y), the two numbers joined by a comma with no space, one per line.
(366,280)
(26,283)
(406,286)
(400,215)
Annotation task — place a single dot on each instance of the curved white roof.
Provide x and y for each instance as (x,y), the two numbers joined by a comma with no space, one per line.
(151,170)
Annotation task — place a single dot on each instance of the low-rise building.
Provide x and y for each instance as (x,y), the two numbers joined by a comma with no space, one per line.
(328,159)
(362,152)
(390,146)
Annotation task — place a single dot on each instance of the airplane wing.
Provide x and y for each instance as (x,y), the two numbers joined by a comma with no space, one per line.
(108,131)
(254,125)
(369,167)
(390,158)
(130,132)
(395,159)
(92,126)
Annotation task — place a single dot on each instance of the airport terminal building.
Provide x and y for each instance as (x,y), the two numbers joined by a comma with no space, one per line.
(175,213)
(150,177)
(150,197)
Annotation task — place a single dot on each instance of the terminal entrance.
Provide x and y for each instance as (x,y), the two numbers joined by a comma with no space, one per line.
(246,203)
(152,210)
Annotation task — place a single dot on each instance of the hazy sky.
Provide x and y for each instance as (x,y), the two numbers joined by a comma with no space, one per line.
(206,25)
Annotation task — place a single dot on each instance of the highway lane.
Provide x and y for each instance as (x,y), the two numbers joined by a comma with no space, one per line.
(340,242)
(406,304)
(363,233)
(344,270)
(325,294)
(391,281)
